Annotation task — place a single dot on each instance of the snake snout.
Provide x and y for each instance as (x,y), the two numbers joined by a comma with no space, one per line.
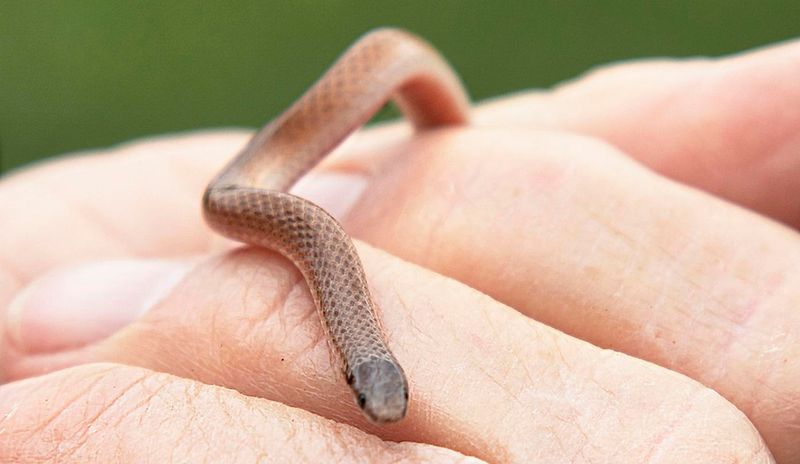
(381,390)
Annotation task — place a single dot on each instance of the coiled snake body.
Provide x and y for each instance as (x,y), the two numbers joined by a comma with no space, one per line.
(249,202)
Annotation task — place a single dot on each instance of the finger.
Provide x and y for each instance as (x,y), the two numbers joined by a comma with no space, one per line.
(727,148)
(112,172)
(574,234)
(107,413)
(140,199)
(743,146)
(729,126)
(484,380)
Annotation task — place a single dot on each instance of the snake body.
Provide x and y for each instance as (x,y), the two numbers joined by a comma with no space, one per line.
(248,200)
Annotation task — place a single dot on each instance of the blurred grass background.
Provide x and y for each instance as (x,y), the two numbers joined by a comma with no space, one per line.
(91,73)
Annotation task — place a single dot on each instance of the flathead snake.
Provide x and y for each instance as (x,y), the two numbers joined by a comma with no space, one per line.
(248,200)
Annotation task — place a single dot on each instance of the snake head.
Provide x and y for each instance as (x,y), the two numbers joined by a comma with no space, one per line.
(380,389)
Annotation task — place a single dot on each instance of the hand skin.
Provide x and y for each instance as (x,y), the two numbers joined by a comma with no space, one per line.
(534,207)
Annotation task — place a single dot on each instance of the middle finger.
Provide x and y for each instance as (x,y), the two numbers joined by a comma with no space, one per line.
(571,232)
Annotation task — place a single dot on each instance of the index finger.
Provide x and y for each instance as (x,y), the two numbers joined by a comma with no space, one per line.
(729,126)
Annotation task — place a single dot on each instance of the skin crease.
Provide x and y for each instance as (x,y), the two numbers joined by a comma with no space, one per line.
(122,405)
(603,260)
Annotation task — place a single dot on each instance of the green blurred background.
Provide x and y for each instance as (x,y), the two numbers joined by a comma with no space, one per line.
(83,74)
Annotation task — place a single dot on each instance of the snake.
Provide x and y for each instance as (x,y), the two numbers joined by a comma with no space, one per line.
(249,200)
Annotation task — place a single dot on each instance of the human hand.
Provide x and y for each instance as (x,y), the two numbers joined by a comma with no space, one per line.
(559,226)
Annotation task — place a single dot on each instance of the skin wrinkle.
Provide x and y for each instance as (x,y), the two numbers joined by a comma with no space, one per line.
(476,360)
(740,325)
(761,451)
(141,405)
(276,304)
(563,449)
(280,302)
(764,385)
(633,246)
(82,441)
(669,428)
(718,302)
(553,411)
(192,364)
(256,322)
(298,294)
(152,351)
(205,433)
(417,329)
(214,329)
(386,293)
(248,279)
(185,438)
(519,363)
(49,421)
(753,403)
(290,431)
(667,301)
(332,448)
(321,345)
(178,392)
(576,422)
(53,422)
(632,243)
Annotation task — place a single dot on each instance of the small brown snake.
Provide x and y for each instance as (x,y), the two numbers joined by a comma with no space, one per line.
(249,202)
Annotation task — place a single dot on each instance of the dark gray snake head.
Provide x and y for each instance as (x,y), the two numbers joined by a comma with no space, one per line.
(380,389)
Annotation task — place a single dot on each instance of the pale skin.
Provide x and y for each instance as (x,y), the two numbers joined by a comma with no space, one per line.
(543,206)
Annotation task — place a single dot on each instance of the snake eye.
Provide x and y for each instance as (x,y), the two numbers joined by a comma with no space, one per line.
(362,399)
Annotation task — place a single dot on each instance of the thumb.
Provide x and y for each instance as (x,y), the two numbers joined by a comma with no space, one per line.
(78,305)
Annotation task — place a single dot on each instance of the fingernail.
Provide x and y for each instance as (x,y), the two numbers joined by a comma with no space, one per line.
(77,306)
(336,193)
